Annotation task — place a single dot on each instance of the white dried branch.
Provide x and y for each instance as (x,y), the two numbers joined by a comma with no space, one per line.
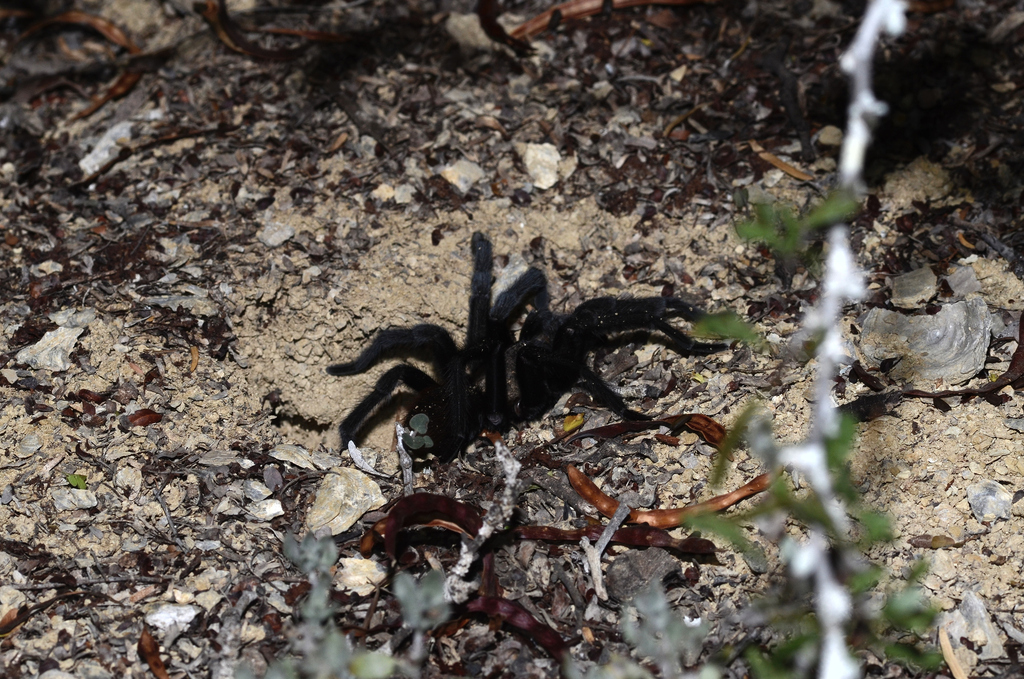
(457,588)
(404,460)
(843,283)
(594,552)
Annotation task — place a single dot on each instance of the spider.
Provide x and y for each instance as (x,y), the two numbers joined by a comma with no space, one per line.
(495,380)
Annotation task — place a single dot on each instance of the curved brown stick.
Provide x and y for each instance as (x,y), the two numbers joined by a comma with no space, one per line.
(575,9)
(662,518)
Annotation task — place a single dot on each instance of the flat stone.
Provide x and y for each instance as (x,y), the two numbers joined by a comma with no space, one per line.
(632,572)
(972,621)
(168,615)
(963,281)
(912,289)
(275,233)
(950,345)
(359,575)
(830,135)
(65,499)
(29,446)
(106,148)
(343,497)
(989,501)
(255,490)
(53,351)
(265,510)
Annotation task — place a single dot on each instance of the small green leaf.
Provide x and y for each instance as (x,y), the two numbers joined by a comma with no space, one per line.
(414,442)
(76,481)
(419,423)
(427,441)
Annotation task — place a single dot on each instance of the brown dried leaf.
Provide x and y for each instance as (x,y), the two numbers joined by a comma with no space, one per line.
(149,650)
(144,417)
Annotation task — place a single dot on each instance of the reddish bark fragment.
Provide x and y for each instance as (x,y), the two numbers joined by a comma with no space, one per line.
(517,616)
(662,518)
(421,508)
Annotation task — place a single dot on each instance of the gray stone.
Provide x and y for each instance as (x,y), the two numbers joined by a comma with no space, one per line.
(344,495)
(29,446)
(971,621)
(632,572)
(265,510)
(53,351)
(950,345)
(275,233)
(462,174)
(963,281)
(541,161)
(989,501)
(65,499)
(912,289)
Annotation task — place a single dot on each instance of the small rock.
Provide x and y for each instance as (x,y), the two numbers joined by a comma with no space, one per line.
(168,615)
(910,290)
(463,174)
(989,501)
(971,621)
(541,162)
(53,351)
(29,446)
(65,499)
(830,135)
(383,192)
(950,345)
(404,194)
(265,510)
(57,674)
(632,572)
(296,455)
(218,458)
(275,233)
(106,148)
(46,268)
(359,575)
(963,281)
(255,490)
(344,495)
(756,559)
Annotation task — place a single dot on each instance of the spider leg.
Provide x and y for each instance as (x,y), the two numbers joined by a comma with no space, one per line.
(592,320)
(386,383)
(687,344)
(480,289)
(532,283)
(543,378)
(424,336)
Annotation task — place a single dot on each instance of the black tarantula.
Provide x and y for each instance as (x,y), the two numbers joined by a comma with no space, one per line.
(495,380)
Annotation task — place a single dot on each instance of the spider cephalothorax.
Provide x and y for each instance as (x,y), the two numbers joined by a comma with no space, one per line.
(495,380)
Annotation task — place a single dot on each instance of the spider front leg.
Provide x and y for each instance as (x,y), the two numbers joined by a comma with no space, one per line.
(412,377)
(424,336)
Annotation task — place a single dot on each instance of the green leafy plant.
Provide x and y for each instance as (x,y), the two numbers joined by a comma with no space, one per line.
(76,481)
(417,438)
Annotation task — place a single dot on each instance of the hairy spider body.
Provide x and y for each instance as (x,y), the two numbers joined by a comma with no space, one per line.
(496,380)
